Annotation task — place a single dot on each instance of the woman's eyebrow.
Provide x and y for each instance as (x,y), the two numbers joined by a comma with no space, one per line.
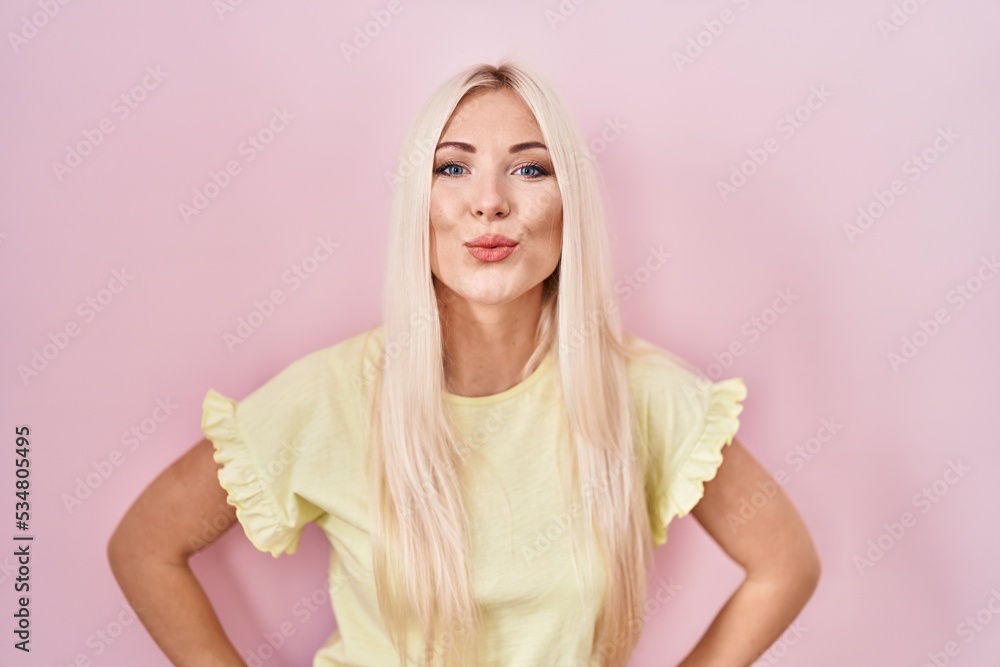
(469,148)
(526,145)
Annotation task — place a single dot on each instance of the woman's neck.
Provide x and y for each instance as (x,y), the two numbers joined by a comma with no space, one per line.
(487,345)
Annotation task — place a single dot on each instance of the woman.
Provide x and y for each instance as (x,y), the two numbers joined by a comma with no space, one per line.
(494,463)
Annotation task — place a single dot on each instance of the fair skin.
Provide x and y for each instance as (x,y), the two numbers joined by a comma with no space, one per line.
(500,183)
(492,175)
(149,553)
(492,311)
(780,563)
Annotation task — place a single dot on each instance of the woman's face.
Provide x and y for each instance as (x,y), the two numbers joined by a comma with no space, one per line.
(493,176)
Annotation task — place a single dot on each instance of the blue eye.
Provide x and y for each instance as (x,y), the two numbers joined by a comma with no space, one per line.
(539,169)
(443,169)
(446,169)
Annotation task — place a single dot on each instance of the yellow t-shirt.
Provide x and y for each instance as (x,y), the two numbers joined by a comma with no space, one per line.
(291,452)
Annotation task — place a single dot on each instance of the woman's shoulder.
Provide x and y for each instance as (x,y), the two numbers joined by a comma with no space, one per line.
(340,368)
(646,359)
(363,345)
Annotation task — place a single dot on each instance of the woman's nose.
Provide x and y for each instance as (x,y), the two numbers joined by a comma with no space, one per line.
(490,197)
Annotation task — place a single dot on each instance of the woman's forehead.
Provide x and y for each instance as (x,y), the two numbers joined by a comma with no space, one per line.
(491,109)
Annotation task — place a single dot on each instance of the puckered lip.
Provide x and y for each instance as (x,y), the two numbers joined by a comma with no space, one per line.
(491,241)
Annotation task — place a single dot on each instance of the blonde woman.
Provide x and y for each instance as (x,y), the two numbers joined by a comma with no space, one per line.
(494,463)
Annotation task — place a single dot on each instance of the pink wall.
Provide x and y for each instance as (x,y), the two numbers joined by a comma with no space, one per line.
(835,101)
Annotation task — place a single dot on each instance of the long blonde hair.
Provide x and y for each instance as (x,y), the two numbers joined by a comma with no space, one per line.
(419,524)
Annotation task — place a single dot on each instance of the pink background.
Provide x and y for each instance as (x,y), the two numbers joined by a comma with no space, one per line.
(672,131)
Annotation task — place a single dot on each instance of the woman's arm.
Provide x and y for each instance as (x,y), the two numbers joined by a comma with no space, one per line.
(182,511)
(773,547)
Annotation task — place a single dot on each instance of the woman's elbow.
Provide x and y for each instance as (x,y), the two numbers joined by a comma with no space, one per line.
(122,550)
(802,570)
(795,568)
(809,572)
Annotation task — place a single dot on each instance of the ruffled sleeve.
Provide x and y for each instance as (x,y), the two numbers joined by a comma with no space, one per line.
(260,466)
(687,420)
(696,456)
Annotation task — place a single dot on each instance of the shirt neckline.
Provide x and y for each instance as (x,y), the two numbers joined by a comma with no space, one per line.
(540,371)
